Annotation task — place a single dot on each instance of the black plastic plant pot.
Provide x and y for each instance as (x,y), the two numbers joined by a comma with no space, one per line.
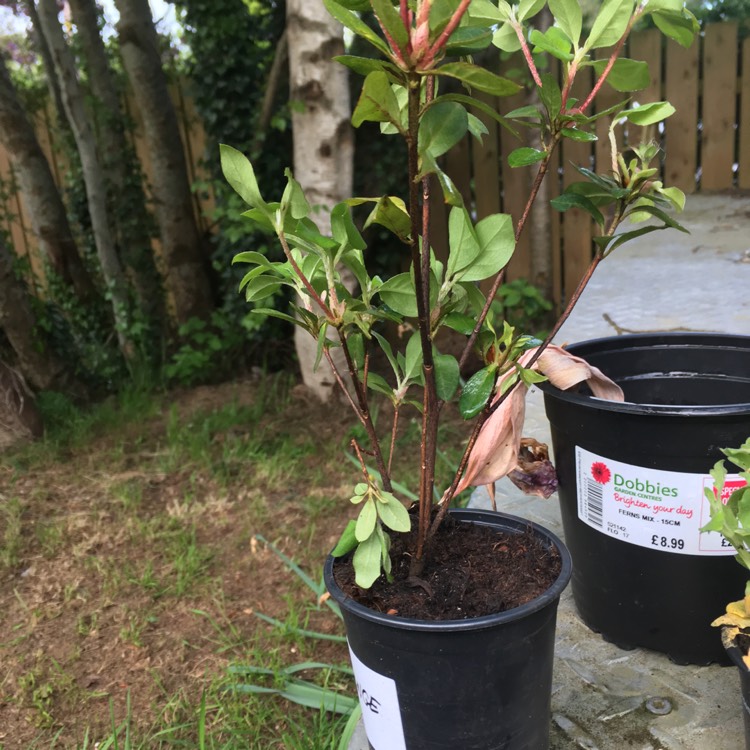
(632,478)
(477,684)
(735,655)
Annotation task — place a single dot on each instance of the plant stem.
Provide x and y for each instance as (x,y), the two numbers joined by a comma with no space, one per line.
(543,167)
(491,408)
(394,431)
(305,281)
(422,287)
(363,411)
(527,54)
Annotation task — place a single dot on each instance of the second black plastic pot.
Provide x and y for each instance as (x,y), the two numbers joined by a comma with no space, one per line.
(478,684)
(631,473)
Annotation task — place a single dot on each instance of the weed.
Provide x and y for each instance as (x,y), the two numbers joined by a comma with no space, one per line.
(50,535)
(10,544)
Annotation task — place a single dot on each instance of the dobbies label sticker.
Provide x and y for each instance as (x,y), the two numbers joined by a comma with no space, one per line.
(662,510)
(381,713)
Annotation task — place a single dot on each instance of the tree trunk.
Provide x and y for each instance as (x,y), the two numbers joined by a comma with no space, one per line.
(186,265)
(118,160)
(65,70)
(19,419)
(49,221)
(38,365)
(323,142)
(49,67)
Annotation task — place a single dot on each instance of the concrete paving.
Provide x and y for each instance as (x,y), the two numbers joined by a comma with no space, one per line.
(605,698)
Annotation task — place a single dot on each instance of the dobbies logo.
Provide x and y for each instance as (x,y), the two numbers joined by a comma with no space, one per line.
(600,472)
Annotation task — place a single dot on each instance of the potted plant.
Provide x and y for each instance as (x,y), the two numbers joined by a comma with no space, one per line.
(729,501)
(450,617)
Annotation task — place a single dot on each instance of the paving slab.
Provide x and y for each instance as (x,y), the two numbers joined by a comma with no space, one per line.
(605,698)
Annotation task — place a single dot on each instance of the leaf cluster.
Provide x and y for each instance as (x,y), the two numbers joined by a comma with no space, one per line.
(421,47)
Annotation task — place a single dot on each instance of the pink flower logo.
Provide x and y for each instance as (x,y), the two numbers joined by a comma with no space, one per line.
(600,472)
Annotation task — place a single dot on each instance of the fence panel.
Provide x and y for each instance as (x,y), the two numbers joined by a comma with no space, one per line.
(719,105)
(709,135)
(743,177)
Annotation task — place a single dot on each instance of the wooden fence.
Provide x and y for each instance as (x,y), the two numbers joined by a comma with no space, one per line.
(706,147)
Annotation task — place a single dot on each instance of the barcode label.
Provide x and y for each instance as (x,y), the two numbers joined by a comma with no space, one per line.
(594,503)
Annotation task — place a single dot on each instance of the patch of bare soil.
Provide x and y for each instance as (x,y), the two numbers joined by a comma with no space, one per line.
(91,609)
(472,571)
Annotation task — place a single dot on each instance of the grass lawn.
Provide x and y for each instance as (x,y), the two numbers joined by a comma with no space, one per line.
(132,577)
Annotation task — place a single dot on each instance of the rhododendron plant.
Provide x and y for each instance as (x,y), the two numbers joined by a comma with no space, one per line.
(421,46)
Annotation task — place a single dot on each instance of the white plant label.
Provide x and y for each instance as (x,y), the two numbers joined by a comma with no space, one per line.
(662,510)
(381,713)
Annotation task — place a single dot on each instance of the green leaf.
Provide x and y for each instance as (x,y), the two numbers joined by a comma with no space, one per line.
(485,13)
(390,212)
(366,562)
(466,40)
(379,384)
(529,8)
(451,194)
(413,359)
(239,173)
(399,294)
(648,114)
(392,513)
(365,65)
(447,376)
(575,200)
(675,196)
(377,102)
(441,128)
(476,127)
(464,324)
(391,20)
(483,107)
(497,242)
(568,17)
(553,41)
(522,157)
(506,39)
(366,520)
(681,28)
(610,23)
(551,95)
(355,24)
(388,351)
(323,342)
(625,75)
(479,78)
(294,199)
(477,391)
(463,242)
(271,313)
(262,287)
(582,136)
(347,541)
(343,229)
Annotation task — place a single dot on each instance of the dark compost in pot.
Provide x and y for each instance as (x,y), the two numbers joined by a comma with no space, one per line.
(476,684)
(631,487)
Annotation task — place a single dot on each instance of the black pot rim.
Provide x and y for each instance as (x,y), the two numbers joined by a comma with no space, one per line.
(649,340)
(484,517)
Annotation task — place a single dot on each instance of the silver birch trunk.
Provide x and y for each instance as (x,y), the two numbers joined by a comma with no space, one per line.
(73,101)
(186,263)
(323,142)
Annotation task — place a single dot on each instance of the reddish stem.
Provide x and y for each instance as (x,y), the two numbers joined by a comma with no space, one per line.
(447,31)
(527,54)
(303,278)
